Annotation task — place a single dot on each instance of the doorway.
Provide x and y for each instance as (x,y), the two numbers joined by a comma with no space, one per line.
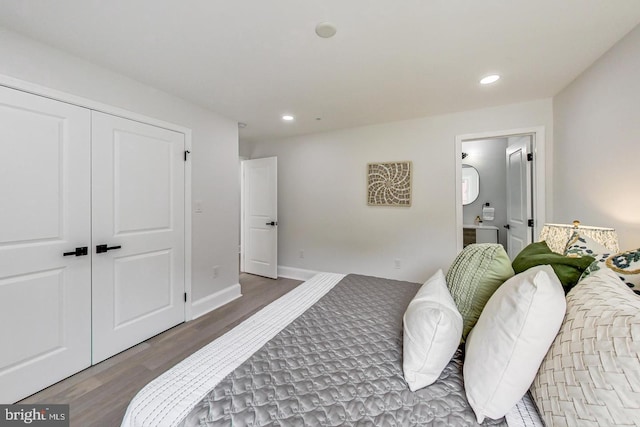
(507,196)
(484,191)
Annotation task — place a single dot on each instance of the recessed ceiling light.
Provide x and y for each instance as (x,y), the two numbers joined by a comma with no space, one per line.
(242,125)
(326,30)
(490,79)
(287,118)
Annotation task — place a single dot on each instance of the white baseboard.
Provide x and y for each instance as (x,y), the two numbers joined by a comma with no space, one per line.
(295,273)
(213,301)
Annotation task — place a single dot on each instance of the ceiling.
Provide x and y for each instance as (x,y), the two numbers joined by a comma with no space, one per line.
(255,60)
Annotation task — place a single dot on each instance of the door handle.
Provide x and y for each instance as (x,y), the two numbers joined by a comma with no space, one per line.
(81,251)
(507,226)
(103,248)
(272,223)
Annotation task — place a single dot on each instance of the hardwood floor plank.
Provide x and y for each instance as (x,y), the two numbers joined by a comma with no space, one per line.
(99,395)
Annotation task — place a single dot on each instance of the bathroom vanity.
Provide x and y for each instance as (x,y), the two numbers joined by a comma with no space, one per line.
(479,234)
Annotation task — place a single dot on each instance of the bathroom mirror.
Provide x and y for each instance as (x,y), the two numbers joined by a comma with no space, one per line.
(470,184)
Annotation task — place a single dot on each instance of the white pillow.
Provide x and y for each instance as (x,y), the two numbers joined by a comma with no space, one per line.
(432,332)
(513,334)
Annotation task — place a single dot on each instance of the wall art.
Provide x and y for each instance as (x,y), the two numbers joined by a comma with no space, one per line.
(389,184)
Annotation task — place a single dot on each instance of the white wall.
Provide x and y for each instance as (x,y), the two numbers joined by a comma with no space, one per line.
(215,146)
(322,196)
(597,144)
(488,157)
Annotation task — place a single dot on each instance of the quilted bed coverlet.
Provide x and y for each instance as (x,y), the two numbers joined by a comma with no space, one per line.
(336,361)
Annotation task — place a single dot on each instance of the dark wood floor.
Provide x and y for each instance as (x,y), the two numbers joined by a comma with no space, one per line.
(99,395)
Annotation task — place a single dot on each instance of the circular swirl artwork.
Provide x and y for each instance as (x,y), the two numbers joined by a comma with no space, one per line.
(389,184)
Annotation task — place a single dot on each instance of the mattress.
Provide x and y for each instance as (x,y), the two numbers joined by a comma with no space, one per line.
(327,353)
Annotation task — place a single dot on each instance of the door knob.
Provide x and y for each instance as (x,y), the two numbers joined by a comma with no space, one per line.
(272,223)
(81,251)
(507,226)
(103,248)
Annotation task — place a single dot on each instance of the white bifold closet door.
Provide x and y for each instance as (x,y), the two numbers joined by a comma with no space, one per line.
(45,212)
(138,213)
(91,238)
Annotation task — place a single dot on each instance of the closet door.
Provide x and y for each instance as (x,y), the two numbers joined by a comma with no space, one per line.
(138,218)
(45,296)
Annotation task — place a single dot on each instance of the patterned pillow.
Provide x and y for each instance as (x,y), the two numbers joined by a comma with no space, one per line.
(591,374)
(625,264)
(474,276)
(580,245)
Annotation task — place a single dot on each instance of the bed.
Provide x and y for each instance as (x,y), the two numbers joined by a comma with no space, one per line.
(327,353)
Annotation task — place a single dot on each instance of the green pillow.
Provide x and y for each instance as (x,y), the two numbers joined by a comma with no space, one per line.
(568,269)
(474,276)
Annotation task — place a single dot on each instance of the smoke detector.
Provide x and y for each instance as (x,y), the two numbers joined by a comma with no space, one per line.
(326,30)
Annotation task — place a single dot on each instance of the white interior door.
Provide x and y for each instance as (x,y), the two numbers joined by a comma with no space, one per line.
(261,216)
(138,213)
(519,202)
(45,297)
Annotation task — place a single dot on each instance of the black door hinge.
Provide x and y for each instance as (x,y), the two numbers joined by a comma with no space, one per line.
(185,297)
(530,157)
(530,223)
(186,153)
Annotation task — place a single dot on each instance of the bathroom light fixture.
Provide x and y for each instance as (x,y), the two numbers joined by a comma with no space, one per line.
(287,118)
(326,30)
(490,79)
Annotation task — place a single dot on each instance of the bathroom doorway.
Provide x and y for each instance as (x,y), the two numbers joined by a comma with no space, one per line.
(484,216)
(510,166)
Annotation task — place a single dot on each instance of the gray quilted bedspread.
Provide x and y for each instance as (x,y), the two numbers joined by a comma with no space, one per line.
(338,364)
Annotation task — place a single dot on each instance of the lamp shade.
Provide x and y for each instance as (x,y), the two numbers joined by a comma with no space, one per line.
(557,235)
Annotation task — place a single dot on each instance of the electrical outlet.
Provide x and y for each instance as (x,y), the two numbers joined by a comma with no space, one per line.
(397,264)
(215,271)
(301,253)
